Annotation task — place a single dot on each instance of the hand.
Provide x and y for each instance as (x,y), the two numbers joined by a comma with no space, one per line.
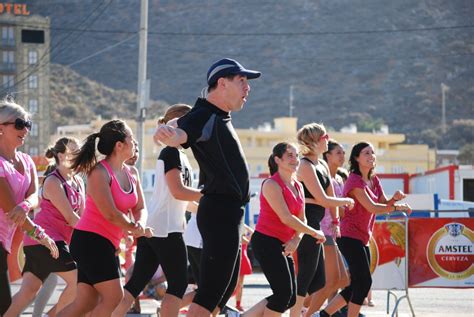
(336,229)
(291,245)
(17,215)
(399,195)
(319,235)
(163,133)
(349,203)
(148,232)
(129,241)
(138,231)
(51,245)
(404,207)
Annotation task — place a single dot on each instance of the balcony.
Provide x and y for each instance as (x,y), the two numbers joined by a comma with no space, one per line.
(9,68)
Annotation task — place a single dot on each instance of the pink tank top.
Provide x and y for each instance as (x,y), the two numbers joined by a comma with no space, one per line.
(326,223)
(51,219)
(94,221)
(268,221)
(19,183)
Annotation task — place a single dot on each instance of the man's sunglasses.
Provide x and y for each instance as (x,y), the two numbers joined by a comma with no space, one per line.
(20,124)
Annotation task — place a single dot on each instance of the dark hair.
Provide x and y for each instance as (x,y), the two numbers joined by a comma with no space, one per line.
(61,146)
(278,151)
(343,173)
(332,144)
(112,132)
(214,85)
(354,165)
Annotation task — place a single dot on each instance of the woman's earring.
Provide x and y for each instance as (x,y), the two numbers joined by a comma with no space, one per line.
(1,132)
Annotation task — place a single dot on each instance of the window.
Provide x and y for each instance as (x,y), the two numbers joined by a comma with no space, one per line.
(33,105)
(33,81)
(8,35)
(8,81)
(34,129)
(32,36)
(32,57)
(34,151)
(397,169)
(8,57)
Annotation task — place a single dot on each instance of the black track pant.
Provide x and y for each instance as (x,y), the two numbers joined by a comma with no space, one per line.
(170,252)
(358,258)
(278,269)
(5,292)
(219,220)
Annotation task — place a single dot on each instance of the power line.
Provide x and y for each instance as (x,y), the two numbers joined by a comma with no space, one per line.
(296,33)
(40,66)
(102,50)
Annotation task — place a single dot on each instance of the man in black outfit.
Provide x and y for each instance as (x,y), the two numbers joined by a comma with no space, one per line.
(207,129)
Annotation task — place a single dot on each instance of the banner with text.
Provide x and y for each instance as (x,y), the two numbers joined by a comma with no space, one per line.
(441,252)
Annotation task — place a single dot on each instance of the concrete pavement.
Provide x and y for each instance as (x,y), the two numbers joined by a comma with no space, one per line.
(427,302)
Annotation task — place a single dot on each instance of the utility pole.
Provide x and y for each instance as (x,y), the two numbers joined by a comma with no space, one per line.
(444,90)
(142,102)
(291,102)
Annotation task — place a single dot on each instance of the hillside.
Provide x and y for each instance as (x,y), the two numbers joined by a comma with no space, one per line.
(76,99)
(349,61)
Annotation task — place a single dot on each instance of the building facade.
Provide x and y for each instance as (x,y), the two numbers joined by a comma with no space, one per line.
(24,69)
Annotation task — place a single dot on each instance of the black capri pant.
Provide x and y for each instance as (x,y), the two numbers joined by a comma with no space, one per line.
(311,271)
(219,220)
(170,252)
(358,258)
(278,269)
(5,293)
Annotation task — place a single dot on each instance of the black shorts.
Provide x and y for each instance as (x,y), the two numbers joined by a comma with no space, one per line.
(39,262)
(95,257)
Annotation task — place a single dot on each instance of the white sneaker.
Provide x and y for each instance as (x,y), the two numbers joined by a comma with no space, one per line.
(232,313)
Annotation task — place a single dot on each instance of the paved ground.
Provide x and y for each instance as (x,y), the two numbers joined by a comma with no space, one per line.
(428,302)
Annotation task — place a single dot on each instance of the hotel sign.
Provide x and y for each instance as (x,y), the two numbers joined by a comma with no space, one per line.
(14,8)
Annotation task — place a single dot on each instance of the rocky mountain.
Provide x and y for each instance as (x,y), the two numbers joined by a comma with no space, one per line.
(348,61)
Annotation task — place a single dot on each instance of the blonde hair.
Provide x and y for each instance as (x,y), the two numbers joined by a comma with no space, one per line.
(175,111)
(9,111)
(308,135)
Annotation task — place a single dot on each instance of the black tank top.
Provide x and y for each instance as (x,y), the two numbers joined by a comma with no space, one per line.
(315,213)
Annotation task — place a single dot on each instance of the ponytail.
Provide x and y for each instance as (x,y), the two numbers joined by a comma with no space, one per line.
(85,159)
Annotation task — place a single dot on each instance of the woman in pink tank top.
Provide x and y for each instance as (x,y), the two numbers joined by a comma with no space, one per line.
(279,229)
(61,204)
(18,190)
(113,199)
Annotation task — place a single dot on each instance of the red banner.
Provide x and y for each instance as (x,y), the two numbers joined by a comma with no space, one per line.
(441,252)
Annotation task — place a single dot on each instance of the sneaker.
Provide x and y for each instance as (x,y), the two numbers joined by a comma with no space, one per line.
(239,308)
(321,313)
(371,303)
(232,313)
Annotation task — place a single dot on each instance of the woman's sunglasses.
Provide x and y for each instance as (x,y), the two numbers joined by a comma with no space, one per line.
(324,137)
(20,124)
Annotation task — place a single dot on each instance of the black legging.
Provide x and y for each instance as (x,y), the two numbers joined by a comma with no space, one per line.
(219,220)
(278,269)
(5,292)
(170,252)
(194,259)
(311,272)
(358,258)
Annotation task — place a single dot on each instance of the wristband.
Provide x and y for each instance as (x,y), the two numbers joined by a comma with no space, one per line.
(335,221)
(24,205)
